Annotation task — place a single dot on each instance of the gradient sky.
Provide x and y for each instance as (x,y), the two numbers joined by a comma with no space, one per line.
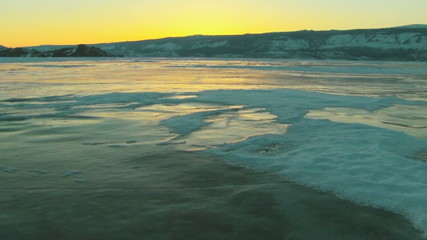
(36,22)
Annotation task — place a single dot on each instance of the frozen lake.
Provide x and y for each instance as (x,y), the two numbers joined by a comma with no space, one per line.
(141,148)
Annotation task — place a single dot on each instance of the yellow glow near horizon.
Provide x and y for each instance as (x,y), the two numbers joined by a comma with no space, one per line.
(30,22)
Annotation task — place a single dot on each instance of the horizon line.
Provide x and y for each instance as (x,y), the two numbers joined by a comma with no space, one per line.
(241,34)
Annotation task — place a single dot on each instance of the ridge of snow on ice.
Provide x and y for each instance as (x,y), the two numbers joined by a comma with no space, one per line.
(368,165)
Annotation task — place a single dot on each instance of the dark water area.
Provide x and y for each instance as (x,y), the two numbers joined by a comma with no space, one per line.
(185,195)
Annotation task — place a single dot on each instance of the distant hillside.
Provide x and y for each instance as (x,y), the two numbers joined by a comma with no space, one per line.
(371,44)
(414,26)
(406,43)
(19,52)
(78,51)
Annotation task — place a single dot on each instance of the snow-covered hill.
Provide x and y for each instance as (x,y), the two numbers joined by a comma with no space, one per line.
(414,26)
(400,43)
(407,43)
(76,51)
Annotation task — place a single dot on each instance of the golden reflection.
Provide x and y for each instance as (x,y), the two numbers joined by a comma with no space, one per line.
(181,97)
(90,77)
(409,119)
(235,124)
(158,112)
(230,127)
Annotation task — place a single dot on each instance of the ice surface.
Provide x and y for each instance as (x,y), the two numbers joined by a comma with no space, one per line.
(69,173)
(9,169)
(361,148)
(81,180)
(369,165)
(409,119)
(311,67)
(291,105)
(184,125)
(221,128)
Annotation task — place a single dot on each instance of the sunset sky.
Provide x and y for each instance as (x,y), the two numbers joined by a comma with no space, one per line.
(36,22)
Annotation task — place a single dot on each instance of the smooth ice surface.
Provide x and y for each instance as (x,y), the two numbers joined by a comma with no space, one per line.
(356,129)
(39,77)
(409,119)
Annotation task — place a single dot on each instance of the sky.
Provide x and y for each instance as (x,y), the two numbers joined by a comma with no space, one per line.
(63,22)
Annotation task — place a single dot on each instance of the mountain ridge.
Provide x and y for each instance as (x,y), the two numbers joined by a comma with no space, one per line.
(81,50)
(405,43)
(357,44)
(413,26)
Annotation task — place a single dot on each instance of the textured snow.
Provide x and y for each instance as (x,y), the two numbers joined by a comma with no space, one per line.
(385,41)
(288,44)
(165,46)
(209,44)
(368,165)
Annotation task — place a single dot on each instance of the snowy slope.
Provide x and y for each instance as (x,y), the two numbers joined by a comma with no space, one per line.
(381,44)
(400,43)
(74,51)
(414,26)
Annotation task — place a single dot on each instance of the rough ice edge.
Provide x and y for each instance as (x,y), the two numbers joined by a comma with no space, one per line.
(385,151)
(354,161)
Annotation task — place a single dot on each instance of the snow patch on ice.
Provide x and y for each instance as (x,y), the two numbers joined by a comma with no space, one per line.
(9,169)
(70,173)
(369,165)
(186,124)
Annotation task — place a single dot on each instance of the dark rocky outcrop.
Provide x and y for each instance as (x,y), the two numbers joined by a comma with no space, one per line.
(87,51)
(19,52)
(79,51)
